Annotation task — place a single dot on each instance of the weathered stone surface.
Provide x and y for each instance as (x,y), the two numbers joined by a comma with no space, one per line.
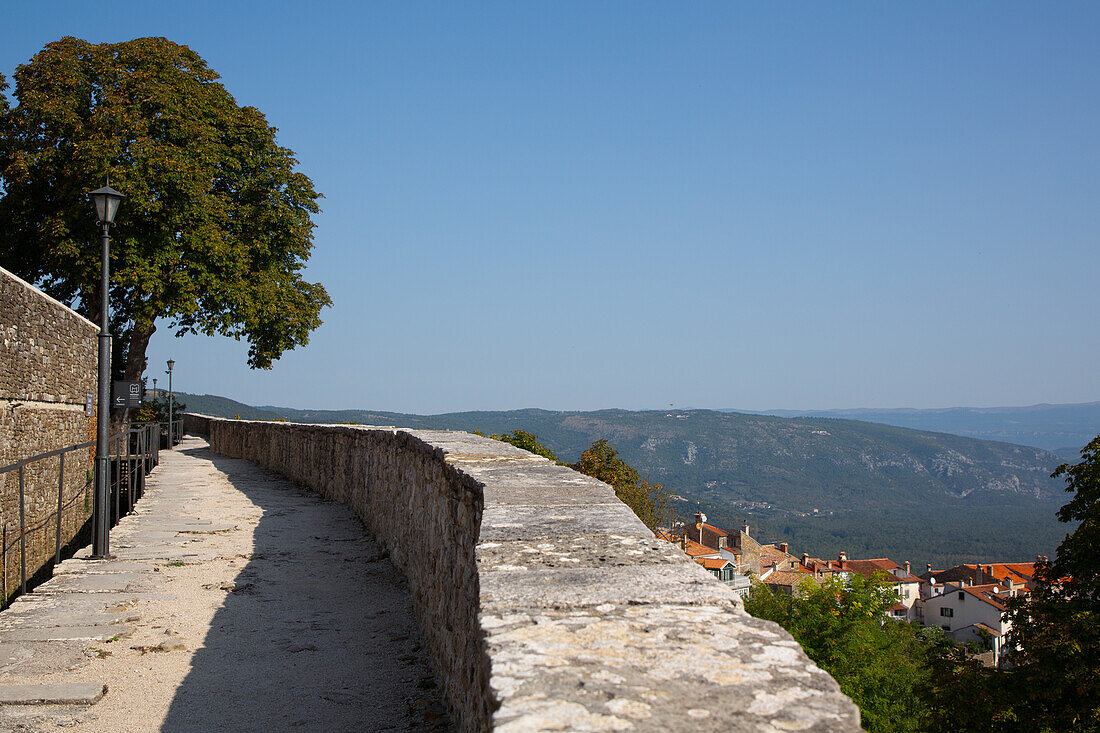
(96,583)
(544,602)
(582,587)
(65,693)
(577,551)
(655,667)
(62,633)
(539,522)
(47,366)
(294,620)
(540,483)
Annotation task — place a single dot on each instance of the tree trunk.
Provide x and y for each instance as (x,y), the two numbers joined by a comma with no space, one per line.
(135,353)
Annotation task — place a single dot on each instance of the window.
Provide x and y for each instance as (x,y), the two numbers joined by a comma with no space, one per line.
(948,612)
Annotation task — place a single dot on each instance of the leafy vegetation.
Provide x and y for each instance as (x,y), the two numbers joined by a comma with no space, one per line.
(216,225)
(650,502)
(527,441)
(155,409)
(881,666)
(1057,628)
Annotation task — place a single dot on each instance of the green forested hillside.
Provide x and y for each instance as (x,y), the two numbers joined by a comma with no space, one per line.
(1061,428)
(877,489)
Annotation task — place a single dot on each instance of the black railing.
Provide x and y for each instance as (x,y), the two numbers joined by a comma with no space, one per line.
(133,451)
(177,433)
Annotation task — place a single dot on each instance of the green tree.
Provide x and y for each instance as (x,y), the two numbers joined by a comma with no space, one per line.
(527,441)
(1056,627)
(650,502)
(840,624)
(216,225)
(961,693)
(155,409)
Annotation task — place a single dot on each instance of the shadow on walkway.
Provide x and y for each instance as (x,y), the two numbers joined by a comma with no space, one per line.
(318,631)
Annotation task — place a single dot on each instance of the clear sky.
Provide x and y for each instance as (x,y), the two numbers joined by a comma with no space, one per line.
(576,205)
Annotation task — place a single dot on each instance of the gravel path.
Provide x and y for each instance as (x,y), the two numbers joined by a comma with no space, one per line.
(236,601)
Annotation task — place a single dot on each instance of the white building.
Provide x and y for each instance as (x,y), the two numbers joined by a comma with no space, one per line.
(970,612)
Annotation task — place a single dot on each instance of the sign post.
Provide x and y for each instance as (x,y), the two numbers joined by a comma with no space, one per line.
(126,395)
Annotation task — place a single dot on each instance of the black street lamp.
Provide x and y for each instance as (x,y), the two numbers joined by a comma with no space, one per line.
(171,363)
(106,202)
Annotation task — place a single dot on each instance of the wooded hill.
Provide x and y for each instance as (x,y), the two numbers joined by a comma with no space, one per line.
(1064,429)
(878,489)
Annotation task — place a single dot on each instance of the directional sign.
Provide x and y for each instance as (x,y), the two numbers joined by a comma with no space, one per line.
(126,394)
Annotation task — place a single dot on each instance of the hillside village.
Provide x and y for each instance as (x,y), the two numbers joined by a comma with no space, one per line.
(967,601)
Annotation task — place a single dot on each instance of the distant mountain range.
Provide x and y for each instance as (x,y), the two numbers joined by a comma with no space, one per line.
(822,483)
(1064,429)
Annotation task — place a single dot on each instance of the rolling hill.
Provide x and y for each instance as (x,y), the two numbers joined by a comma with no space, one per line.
(1061,428)
(823,484)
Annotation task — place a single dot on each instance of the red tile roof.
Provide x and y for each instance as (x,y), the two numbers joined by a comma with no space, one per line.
(992,594)
(713,563)
(1017,572)
(784,578)
(694,549)
(712,528)
(867,568)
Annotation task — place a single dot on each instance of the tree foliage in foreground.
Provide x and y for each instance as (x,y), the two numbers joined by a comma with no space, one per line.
(1057,626)
(651,502)
(880,664)
(216,225)
(155,409)
(527,441)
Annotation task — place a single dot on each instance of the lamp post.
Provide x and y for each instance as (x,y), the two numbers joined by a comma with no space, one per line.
(154,389)
(171,363)
(106,202)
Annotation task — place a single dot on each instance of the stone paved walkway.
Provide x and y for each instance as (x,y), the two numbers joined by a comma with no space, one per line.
(236,601)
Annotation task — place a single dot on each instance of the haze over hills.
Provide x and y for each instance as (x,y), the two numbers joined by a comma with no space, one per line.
(823,484)
(1061,428)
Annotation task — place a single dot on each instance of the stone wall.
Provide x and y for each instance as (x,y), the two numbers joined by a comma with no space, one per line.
(544,602)
(48,364)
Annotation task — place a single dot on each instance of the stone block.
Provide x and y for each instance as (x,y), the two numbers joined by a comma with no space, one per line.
(65,693)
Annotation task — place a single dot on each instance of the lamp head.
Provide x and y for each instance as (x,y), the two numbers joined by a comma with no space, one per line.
(171,363)
(106,202)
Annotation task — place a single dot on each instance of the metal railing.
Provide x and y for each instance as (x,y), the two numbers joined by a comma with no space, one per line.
(176,432)
(133,451)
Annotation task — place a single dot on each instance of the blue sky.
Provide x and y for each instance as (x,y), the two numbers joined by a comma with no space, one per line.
(588,205)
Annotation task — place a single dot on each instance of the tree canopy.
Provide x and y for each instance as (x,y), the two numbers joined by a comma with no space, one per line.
(216,225)
(1057,626)
(527,441)
(651,502)
(880,664)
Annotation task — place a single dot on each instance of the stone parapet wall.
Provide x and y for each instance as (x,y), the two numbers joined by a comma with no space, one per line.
(544,602)
(48,351)
(48,360)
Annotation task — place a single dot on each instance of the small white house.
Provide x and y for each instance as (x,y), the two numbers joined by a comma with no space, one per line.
(970,612)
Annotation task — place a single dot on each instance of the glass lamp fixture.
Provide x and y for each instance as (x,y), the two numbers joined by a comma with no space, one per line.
(106,201)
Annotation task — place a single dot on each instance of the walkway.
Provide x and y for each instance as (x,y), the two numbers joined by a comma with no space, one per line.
(236,601)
